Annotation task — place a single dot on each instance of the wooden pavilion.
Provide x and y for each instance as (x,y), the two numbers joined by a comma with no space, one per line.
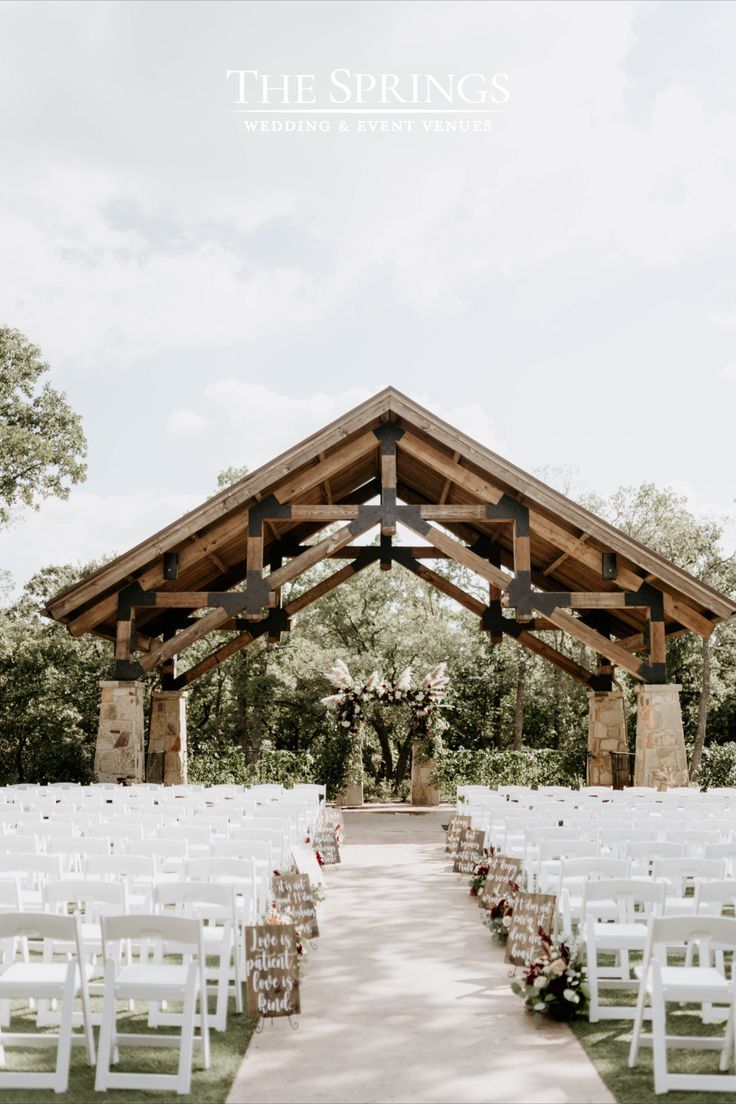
(549,565)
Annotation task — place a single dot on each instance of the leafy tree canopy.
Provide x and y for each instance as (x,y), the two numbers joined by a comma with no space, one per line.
(42,444)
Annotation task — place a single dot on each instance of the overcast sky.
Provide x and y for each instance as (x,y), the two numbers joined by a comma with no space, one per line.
(562,288)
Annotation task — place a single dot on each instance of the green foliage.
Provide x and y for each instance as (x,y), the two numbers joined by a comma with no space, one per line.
(717,766)
(48,690)
(528,767)
(215,765)
(42,444)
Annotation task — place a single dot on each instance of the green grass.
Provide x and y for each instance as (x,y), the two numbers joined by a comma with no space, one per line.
(607,1045)
(208,1086)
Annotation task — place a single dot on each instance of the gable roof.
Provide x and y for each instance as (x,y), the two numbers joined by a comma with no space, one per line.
(436,463)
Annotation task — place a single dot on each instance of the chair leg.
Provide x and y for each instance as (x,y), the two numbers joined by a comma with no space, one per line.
(659,1033)
(184,1079)
(89,1037)
(64,1047)
(107,1030)
(204,1019)
(223,987)
(592,964)
(641,1001)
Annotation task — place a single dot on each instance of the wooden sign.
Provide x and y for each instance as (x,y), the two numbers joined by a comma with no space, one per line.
(305,861)
(293,895)
(325,841)
(457,825)
(502,869)
(532,911)
(470,851)
(271,970)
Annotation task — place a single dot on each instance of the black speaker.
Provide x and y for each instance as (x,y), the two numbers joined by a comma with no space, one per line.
(609,569)
(171,565)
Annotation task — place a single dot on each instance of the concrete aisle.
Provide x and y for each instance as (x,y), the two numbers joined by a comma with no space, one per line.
(406,998)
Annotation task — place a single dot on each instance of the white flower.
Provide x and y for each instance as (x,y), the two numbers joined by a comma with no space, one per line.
(345,724)
(506,921)
(340,675)
(556,967)
(333,699)
(404,682)
(436,676)
(540,982)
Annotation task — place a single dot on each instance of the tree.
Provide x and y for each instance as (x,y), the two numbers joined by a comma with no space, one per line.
(42,444)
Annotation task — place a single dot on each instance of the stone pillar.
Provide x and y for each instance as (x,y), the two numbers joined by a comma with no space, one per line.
(606,734)
(423,789)
(167,741)
(660,744)
(120,735)
(352,795)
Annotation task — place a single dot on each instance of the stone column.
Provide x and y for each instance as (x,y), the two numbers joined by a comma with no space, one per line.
(423,789)
(660,744)
(167,741)
(120,734)
(352,795)
(606,734)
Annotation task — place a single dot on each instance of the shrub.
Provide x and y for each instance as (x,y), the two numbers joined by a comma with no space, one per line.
(717,766)
(528,767)
(215,765)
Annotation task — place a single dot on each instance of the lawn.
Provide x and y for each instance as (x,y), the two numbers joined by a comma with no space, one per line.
(607,1045)
(208,1086)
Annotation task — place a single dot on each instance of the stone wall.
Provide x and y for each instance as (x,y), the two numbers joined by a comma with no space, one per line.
(166,761)
(661,760)
(120,735)
(606,734)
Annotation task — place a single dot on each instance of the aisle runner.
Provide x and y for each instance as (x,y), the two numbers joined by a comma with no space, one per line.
(404,991)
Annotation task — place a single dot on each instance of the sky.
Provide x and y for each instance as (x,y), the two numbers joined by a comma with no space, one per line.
(561,286)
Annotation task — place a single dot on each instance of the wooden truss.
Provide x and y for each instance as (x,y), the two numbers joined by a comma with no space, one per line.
(522,601)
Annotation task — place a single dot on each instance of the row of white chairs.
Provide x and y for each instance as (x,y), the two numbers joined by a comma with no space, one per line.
(62,974)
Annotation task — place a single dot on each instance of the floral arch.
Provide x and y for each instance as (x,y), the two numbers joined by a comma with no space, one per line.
(425,701)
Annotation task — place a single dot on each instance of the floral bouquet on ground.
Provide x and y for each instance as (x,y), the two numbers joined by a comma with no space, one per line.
(480,873)
(498,917)
(555,985)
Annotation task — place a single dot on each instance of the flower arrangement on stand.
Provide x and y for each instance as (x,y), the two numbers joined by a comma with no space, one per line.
(555,984)
(353,700)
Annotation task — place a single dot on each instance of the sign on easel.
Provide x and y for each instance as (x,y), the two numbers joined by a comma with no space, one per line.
(458,824)
(532,911)
(293,895)
(470,851)
(271,970)
(325,841)
(502,870)
(305,861)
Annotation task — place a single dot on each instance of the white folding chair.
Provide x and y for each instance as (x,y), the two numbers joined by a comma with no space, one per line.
(635,902)
(153,981)
(43,981)
(663,984)
(215,906)
(681,875)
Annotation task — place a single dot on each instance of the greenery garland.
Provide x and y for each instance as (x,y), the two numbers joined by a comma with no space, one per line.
(425,702)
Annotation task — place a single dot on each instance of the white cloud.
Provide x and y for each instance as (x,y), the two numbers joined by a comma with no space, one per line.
(138,217)
(243,423)
(86,527)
